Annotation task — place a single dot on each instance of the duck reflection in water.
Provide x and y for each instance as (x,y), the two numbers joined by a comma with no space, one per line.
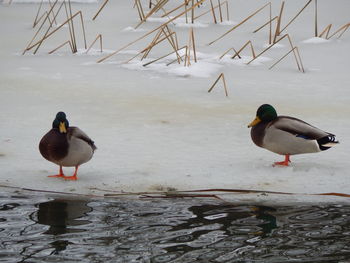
(254,221)
(60,214)
(231,215)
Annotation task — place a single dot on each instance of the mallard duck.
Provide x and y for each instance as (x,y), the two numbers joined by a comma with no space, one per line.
(287,135)
(66,146)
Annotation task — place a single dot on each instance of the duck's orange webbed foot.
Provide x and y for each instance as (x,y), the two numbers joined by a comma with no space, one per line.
(73,177)
(283,163)
(61,174)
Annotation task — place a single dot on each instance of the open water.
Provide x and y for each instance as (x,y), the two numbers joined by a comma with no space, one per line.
(37,228)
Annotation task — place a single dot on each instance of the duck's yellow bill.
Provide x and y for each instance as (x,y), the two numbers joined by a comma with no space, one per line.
(62,127)
(254,122)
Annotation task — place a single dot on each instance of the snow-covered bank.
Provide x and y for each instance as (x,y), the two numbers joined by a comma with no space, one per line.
(158,127)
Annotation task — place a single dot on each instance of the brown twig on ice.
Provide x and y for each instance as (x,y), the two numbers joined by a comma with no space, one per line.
(295,16)
(150,32)
(67,42)
(278,26)
(239,24)
(221,76)
(217,6)
(48,34)
(99,36)
(100,9)
(328,28)
(295,52)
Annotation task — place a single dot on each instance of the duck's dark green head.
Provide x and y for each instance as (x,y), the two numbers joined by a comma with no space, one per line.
(60,122)
(265,113)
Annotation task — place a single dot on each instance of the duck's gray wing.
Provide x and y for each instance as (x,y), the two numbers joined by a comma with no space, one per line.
(299,128)
(78,133)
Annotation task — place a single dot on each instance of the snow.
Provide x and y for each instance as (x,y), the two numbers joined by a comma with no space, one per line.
(157,127)
(316,40)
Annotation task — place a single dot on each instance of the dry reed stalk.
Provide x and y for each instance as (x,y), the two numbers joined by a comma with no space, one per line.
(221,76)
(213,12)
(268,22)
(176,8)
(291,44)
(191,45)
(229,51)
(41,17)
(71,28)
(38,19)
(282,57)
(148,63)
(100,9)
(140,9)
(252,49)
(38,43)
(217,6)
(155,41)
(316,24)
(225,86)
(192,13)
(225,53)
(237,53)
(148,33)
(83,28)
(194,46)
(278,26)
(54,18)
(262,52)
(67,42)
(171,42)
(270,27)
(185,10)
(158,6)
(37,14)
(344,27)
(227,12)
(168,34)
(99,36)
(182,57)
(48,30)
(220,11)
(42,24)
(326,31)
(301,63)
(295,16)
(249,42)
(188,54)
(173,37)
(242,22)
(295,54)
(216,81)
(126,62)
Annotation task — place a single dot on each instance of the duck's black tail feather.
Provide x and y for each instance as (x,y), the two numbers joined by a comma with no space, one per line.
(327,142)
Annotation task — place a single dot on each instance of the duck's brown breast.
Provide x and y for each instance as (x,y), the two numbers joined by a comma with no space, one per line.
(257,133)
(54,145)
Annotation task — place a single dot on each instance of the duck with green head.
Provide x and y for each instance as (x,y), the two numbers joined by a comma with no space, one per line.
(287,135)
(66,146)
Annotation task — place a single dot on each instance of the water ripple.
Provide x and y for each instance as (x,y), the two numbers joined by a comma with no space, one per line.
(41,229)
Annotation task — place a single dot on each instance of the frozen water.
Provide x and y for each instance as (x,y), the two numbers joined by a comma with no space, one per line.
(157,127)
